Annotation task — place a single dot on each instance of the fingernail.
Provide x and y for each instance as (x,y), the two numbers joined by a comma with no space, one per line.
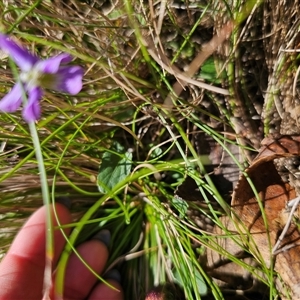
(113,274)
(65,201)
(103,236)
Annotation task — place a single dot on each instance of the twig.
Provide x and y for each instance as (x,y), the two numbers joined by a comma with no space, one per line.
(184,77)
(292,204)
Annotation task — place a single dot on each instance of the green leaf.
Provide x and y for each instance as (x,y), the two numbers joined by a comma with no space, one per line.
(156,152)
(201,285)
(208,72)
(115,167)
(181,205)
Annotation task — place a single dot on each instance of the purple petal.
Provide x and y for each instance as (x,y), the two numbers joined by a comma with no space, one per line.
(12,101)
(52,64)
(24,59)
(32,110)
(69,80)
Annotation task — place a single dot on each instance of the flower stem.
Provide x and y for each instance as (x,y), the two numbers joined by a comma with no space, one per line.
(46,199)
(45,192)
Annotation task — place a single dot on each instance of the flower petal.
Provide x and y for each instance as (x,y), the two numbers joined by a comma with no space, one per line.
(52,64)
(24,59)
(32,110)
(69,80)
(12,101)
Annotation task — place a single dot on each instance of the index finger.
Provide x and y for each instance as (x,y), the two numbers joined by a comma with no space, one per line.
(22,269)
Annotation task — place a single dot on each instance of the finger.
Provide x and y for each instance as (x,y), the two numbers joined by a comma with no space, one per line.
(22,269)
(104,292)
(79,280)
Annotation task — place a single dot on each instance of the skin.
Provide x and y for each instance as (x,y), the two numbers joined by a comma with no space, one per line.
(22,269)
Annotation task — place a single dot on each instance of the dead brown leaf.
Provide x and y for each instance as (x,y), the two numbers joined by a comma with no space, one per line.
(273,194)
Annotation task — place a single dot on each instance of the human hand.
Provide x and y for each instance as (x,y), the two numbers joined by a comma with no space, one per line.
(22,269)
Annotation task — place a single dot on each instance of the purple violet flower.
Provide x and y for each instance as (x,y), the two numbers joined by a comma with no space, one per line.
(35,75)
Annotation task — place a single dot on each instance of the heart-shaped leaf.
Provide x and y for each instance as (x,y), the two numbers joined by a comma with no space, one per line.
(115,167)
